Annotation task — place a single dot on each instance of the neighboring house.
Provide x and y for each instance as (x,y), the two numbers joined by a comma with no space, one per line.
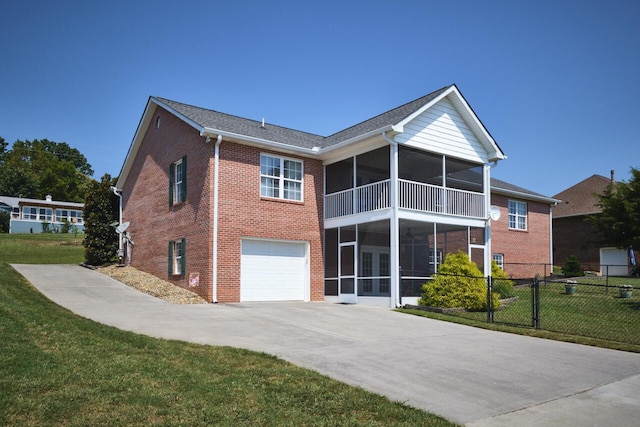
(243,210)
(573,234)
(522,238)
(40,216)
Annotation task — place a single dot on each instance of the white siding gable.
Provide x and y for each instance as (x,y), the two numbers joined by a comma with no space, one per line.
(441,129)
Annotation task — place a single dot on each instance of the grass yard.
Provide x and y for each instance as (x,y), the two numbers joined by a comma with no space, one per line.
(594,315)
(41,248)
(60,369)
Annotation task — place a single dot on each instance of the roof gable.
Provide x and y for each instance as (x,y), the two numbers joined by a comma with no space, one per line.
(214,123)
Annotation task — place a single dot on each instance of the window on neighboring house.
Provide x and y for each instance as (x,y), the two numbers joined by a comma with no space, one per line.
(177,257)
(178,182)
(69,215)
(499,259)
(280,178)
(517,215)
(37,214)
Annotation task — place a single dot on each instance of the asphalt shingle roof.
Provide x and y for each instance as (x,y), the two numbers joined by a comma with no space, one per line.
(580,199)
(253,128)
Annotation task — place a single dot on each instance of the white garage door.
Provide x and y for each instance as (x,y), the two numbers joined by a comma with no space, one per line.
(613,262)
(273,271)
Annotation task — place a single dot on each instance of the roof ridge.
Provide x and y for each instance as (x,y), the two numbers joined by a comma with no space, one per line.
(235,116)
(430,94)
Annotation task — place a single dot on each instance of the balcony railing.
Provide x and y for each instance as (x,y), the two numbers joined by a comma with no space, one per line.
(367,198)
(411,195)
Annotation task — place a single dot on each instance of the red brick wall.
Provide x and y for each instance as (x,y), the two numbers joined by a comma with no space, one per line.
(576,236)
(242,212)
(525,252)
(146,202)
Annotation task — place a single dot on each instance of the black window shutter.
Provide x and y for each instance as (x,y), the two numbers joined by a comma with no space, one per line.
(170,262)
(172,180)
(183,260)
(184,179)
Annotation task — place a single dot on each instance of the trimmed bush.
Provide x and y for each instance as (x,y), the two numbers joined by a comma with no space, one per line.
(458,284)
(572,267)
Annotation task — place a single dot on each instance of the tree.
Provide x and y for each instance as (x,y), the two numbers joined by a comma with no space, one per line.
(619,222)
(101,209)
(38,168)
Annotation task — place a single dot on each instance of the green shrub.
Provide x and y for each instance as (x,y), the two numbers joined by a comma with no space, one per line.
(572,267)
(5,219)
(501,285)
(458,283)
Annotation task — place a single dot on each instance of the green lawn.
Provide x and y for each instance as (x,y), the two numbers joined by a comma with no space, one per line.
(59,369)
(41,248)
(594,315)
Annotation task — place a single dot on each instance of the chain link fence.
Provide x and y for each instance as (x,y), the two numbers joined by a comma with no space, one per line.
(597,306)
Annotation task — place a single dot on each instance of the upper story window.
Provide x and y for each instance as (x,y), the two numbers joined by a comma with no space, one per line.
(280,178)
(178,182)
(517,215)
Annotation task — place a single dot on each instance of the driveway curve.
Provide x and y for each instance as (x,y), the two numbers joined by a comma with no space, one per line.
(468,375)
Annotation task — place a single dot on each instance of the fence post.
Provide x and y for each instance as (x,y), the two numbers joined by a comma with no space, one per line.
(535,304)
(489,300)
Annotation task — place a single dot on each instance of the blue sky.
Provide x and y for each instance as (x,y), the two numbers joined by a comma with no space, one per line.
(556,83)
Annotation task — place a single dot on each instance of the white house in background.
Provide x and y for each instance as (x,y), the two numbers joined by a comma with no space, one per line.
(40,216)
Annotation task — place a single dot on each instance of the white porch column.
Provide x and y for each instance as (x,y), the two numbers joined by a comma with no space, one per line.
(487,227)
(394,228)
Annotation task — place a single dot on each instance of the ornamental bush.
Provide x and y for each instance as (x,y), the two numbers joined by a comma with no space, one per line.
(458,284)
(501,285)
(572,267)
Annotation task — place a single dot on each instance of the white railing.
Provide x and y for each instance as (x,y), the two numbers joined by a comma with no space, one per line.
(411,195)
(432,198)
(372,197)
(367,198)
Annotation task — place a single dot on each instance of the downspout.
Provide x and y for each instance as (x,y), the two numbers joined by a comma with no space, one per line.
(216,163)
(394,226)
(120,249)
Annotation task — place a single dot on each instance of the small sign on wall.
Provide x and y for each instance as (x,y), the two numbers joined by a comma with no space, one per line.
(194,279)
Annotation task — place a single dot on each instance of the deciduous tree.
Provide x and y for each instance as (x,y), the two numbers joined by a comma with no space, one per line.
(619,222)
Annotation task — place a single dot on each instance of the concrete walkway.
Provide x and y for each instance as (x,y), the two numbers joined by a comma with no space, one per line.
(467,375)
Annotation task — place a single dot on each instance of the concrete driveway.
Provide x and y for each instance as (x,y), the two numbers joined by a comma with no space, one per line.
(467,375)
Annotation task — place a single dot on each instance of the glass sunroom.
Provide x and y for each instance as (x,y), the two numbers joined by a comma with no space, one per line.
(392,214)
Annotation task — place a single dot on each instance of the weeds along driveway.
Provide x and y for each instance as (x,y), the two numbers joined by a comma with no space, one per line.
(465,374)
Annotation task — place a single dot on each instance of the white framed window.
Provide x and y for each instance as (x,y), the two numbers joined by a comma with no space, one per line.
(435,259)
(280,177)
(69,215)
(517,215)
(499,259)
(177,257)
(37,214)
(178,181)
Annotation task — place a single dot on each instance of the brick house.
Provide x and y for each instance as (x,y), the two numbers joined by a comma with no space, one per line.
(241,210)
(573,234)
(522,239)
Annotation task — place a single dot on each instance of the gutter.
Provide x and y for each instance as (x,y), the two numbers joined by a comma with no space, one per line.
(118,193)
(210,132)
